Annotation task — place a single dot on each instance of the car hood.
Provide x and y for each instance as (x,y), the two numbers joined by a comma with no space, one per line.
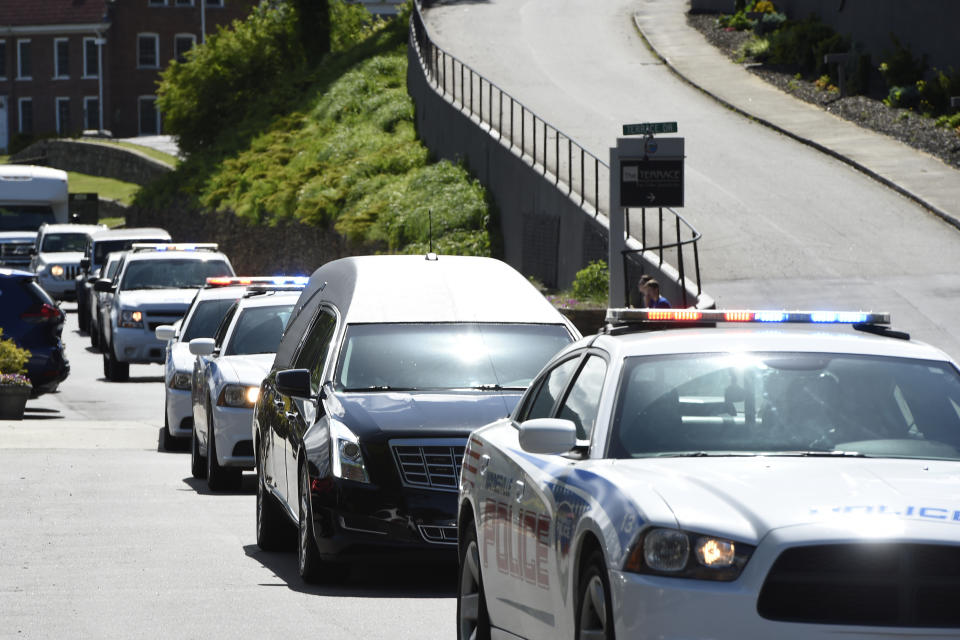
(387,414)
(249,369)
(60,257)
(166,298)
(747,497)
(9,237)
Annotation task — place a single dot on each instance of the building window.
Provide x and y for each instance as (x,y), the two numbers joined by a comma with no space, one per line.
(182,43)
(149,116)
(25,115)
(184,3)
(63,116)
(91,113)
(91,58)
(148,51)
(61,58)
(157,3)
(24,60)
(214,3)
(3,59)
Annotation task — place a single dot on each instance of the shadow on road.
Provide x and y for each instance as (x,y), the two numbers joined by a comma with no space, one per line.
(36,413)
(248,486)
(135,380)
(364,580)
(174,445)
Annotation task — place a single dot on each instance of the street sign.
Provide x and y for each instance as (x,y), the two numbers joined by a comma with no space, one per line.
(651,183)
(649,128)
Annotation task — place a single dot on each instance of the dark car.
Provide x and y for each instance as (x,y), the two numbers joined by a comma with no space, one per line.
(385,367)
(33,320)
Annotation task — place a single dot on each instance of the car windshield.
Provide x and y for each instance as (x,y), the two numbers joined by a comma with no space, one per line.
(258,330)
(206,317)
(787,404)
(62,242)
(103,247)
(171,274)
(24,217)
(446,356)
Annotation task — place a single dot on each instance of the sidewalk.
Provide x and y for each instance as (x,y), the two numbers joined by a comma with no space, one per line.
(916,175)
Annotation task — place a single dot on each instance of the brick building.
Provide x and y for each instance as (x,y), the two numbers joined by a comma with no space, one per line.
(71,65)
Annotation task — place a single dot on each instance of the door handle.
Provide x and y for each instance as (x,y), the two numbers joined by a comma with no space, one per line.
(484,463)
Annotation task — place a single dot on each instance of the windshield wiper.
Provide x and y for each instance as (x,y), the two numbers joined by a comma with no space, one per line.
(821,454)
(495,387)
(380,387)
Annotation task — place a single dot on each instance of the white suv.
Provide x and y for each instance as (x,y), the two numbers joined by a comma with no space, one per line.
(56,257)
(153,286)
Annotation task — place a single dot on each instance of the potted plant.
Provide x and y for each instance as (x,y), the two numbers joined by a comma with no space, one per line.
(15,388)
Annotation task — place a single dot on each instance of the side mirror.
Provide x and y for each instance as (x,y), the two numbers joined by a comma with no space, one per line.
(202,346)
(33,251)
(294,382)
(103,285)
(85,263)
(548,435)
(165,332)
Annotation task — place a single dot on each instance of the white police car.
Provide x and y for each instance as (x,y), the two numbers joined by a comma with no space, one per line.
(226,381)
(201,320)
(154,285)
(750,481)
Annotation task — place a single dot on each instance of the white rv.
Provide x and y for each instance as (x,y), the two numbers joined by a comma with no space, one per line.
(29,197)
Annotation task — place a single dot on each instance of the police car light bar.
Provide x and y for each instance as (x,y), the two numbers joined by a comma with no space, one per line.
(681,316)
(277,281)
(170,246)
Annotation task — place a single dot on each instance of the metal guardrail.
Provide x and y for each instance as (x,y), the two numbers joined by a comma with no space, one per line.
(574,169)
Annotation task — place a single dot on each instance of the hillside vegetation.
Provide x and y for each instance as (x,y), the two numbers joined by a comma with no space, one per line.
(271,137)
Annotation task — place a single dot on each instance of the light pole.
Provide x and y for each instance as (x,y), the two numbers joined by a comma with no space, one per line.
(100,41)
(203,21)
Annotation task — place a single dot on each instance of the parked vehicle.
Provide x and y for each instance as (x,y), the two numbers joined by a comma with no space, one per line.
(385,367)
(33,320)
(101,300)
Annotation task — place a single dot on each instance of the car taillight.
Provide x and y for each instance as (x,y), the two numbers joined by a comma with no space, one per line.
(45,313)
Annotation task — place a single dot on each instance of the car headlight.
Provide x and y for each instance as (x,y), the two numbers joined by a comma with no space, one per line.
(347,456)
(131,319)
(681,554)
(181,380)
(238,395)
(56,271)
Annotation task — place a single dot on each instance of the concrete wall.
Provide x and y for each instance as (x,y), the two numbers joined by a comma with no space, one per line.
(927,26)
(94,159)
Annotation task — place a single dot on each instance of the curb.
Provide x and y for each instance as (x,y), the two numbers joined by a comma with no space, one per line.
(950,219)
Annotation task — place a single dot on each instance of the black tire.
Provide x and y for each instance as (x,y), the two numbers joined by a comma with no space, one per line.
(312,568)
(83,318)
(166,440)
(473,619)
(96,336)
(273,529)
(219,478)
(594,610)
(198,464)
(113,369)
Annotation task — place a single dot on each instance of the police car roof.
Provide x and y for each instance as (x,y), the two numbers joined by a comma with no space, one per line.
(417,288)
(221,293)
(177,254)
(69,227)
(795,338)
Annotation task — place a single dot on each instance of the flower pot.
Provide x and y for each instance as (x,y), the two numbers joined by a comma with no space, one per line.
(13,401)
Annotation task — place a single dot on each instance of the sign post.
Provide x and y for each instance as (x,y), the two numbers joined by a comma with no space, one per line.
(644,172)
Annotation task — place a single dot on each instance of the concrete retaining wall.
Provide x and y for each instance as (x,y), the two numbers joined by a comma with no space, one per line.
(927,26)
(95,159)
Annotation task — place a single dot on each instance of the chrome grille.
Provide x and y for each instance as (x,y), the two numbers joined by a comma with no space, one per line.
(15,253)
(894,585)
(430,463)
(439,535)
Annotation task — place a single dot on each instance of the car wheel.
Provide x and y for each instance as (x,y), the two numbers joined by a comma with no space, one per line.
(594,611)
(219,478)
(83,320)
(473,620)
(273,532)
(198,464)
(312,568)
(94,335)
(113,369)
(166,440)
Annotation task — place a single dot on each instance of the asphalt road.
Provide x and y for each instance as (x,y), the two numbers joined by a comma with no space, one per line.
(105,535)
(784,226)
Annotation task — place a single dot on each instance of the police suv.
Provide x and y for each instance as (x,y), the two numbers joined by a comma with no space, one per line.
(154,284)
(735,478)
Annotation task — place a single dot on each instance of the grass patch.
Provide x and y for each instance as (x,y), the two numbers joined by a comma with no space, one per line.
(109,188)
(342,152)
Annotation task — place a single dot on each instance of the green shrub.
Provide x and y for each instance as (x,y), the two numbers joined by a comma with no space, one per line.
(13,359)
(592,282)
(803,45)
(900,68)
(903,97)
